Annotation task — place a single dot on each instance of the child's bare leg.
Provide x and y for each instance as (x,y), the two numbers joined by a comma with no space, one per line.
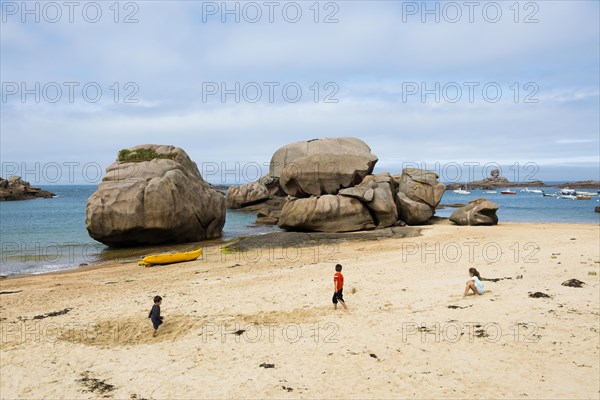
(471,286)
(155,333)
(344,304)
(335,306)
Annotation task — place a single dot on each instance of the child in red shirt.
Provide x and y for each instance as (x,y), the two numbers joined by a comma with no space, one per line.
(338,287)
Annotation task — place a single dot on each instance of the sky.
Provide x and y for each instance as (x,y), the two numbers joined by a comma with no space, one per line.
(457,87)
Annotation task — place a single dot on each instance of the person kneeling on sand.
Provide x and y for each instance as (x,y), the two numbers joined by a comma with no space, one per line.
(338,287)
(154,314)
(474,283)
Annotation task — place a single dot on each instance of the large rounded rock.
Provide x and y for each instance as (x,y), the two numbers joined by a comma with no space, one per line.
(160,198)
(247,195)
(420,190)
(328,213)
(413,212)
(480,211)
(289,153)
(325,173)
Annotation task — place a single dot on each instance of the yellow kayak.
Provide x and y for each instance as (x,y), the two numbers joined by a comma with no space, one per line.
(170,258)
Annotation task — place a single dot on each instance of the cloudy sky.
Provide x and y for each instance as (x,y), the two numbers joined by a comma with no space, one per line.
(436,84)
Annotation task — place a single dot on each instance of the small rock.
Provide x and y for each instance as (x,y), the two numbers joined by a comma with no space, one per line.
(538,295)
(265,365)
(592,273)
(373,355)
(519,277)
(573,283)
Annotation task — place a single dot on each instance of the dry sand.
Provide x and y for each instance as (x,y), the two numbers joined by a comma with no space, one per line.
(409,332)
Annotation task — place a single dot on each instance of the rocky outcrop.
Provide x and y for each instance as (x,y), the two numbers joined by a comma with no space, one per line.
(272,185)
(480,211)
(384,203)
(14,188)
(246,195)
(581,185)
(267,216)
(413,212)
(495,181)
(327,213)
(419,193)
(289,153)
(320,174)
(159,200)
(363,193)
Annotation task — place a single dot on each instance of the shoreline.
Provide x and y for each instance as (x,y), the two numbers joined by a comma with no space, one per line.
(361,236)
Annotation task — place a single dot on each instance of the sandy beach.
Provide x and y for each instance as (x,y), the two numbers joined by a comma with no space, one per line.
(260,324)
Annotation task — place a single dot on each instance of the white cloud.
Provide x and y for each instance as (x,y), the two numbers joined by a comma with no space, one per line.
(369,53)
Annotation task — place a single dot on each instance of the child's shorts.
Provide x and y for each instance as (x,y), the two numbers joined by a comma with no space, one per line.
(156,323)
(338,296)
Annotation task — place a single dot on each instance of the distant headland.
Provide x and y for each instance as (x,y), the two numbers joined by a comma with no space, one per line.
(14,188)
(495,181)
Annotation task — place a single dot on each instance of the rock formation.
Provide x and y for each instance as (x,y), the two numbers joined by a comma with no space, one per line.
(288,153)
(419,193)
(327,213)
(330,187)
(14,188)
(247,195)
(480,211)
(495,181)
(154,194)
(320,174)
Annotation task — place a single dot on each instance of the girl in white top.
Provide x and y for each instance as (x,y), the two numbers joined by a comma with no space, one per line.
(474,283)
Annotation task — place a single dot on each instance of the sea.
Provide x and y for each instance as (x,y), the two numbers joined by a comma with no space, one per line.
(48,235)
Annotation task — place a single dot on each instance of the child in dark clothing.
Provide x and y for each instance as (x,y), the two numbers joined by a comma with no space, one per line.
(154,314)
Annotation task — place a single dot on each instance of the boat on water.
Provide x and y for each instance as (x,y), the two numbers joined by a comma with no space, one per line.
(568,196)
(508,191)
(491,192)
(527,190)
(582,197)
(170,258)
(580,193)
(567,192)
(549,195)
(461,191)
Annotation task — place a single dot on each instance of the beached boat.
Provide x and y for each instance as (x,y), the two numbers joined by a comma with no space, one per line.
(170,258)
(508,192)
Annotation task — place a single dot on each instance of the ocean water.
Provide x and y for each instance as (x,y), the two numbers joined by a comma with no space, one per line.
(46,235)
(531,207)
